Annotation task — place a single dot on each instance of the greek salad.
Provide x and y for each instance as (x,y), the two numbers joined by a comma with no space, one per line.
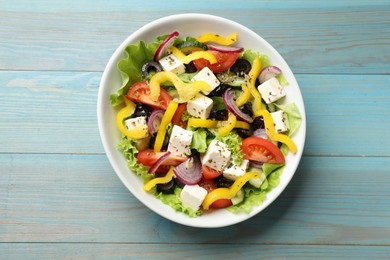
(204,121)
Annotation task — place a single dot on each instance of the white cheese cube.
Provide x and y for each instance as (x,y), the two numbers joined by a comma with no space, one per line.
(180,141)
(173,64)
(233,171)
(271,90)
(280,121)
(217,156)
(192,196)
(200,106)
(207,76)
(137,123)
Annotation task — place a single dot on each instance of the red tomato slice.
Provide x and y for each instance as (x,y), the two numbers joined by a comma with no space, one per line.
(224,61)
(210,173)
(261,150)
(209,185)
(139,92)
(148,157)
(177,117)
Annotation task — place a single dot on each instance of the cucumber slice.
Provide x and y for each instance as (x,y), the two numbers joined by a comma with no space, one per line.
(256,182)
(239,197)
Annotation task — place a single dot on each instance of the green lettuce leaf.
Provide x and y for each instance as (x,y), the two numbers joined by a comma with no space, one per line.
(130,67)
(199,140)
(173,200)
(233,141)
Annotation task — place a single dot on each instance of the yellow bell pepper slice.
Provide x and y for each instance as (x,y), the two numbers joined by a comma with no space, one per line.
(242,125)
(227,126)
(199,122)
(193,56)
(160,180)
(259,111)
(186,91)
(211,37)
(228,193)
(137,133)
(273,135)
(245,95)
(166,119)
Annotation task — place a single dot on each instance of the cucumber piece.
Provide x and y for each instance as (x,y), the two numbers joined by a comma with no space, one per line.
(239,197)
(256,182)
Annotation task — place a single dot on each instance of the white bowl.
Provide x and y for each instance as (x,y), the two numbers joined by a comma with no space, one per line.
(191,25)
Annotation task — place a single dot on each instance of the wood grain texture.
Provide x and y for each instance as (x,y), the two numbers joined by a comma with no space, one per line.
(59,110)
(59,196)
(180,251)
(78,198)
(316,38)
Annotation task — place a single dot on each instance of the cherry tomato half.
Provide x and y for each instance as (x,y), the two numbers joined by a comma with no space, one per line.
(224,61)
(261,150)
(139,93)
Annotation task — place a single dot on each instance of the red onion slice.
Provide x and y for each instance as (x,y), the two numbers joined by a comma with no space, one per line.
(260,133)
(164,46)
(160,160)
(190,171)
(228,98)
(154,121)
(256,164)
(222,48)
(269,72)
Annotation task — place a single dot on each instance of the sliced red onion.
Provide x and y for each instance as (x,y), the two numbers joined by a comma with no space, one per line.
(154,121)
(190,171)
(260,133)
(164,46)
(256,164)
(228,98)
(269,72)
(160,160)
(222,48)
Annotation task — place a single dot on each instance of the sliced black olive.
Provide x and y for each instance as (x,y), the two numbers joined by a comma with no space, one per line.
(142,110)
(190,68)
(241,67)
(179,183)
(168,187)
(222,182)
(218,90)
(150,66)
(165,143)
(218,114)
(247,109)
(244,133)
(257,123)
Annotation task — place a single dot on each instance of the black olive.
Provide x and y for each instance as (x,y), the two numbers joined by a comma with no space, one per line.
(150,65)
(218,90)
(190,68)
(168,187)
(218,114)
(244,133)
(247,109)
(165,143)
(142,110)
(241,67)
(257,123)
(222,182)
(179,183)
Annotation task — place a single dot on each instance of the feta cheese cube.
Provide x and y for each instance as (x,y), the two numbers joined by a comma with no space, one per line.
(180,141)
(217,155)
(200,106)
(233,171)
(137,123)
(207,76)
(192,196)
(271,90)
(173,64)
(280,121)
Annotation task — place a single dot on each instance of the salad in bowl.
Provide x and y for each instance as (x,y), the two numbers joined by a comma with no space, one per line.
(202,127)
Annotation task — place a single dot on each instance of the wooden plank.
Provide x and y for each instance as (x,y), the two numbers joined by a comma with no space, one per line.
(317,38)
(59,111)
(78,198)
(185,251)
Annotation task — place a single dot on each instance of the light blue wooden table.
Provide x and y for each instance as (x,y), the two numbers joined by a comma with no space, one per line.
(60,198)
